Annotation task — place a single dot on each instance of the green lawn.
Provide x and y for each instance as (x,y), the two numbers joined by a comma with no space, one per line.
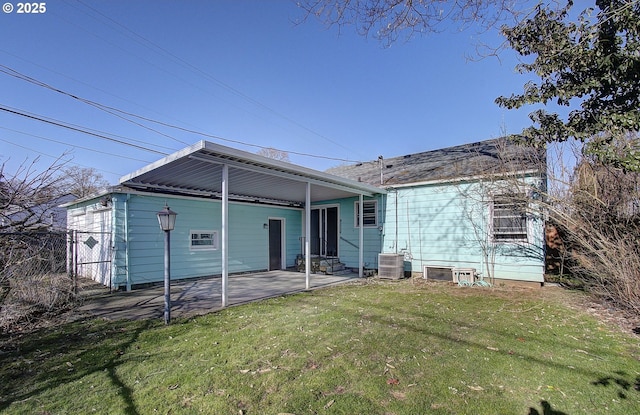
(368,348)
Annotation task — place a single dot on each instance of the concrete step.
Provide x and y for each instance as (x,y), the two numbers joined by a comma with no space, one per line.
(331,265)
(323,265)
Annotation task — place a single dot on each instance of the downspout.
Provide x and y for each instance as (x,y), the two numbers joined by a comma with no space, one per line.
(113,276)
(395,243)
(126,244)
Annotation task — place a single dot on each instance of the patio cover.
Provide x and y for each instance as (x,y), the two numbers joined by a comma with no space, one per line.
(207,169)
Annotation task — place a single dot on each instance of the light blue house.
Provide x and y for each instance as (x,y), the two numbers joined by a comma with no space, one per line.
(467,207)
(237,212)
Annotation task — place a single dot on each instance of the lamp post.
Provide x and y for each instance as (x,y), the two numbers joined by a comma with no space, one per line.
(167,220)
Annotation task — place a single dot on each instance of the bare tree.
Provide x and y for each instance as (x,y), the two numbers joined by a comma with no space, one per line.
(25,195)
(32,262)
(274,153)
(390,20)
(513,180)
(594,210)
(601,227)
(83,181)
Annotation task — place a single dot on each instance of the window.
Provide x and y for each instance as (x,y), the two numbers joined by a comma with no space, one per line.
(509,218)
(203,240)
(369,213)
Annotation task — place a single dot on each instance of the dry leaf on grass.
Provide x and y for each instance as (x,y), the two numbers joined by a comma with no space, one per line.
(399,395)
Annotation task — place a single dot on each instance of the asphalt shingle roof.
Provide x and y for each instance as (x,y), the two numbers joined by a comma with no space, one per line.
(468,160)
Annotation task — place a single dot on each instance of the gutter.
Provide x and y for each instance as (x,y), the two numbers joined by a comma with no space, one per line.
(531,172)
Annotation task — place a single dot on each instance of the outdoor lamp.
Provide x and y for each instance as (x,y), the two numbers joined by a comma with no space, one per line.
(167,220)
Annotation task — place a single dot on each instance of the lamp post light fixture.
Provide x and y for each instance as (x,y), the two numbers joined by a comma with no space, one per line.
(167,221)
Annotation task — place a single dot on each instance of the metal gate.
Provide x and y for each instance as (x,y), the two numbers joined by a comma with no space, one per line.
(90,255)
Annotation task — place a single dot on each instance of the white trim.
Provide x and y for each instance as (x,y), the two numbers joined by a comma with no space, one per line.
(225,234)
(360,211)
(361,233)
(214,239)
(527,173)
(528,229)
(307,239)
(338,224)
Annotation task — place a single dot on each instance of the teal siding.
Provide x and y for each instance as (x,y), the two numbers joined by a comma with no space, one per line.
(445,224)
(438,224)
(349,236)
(119,266)
(248,239)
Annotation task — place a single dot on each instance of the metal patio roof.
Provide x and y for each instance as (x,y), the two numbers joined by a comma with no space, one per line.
(197,171)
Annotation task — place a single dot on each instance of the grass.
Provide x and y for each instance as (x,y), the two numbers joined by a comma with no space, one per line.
(368,348)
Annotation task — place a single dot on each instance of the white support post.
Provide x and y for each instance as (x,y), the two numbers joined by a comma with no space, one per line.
(307,237)
(361,238)
(225,233)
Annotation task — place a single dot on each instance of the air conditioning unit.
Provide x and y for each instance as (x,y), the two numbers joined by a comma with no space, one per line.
(391,266)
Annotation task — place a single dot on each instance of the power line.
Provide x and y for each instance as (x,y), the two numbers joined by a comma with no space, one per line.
(146,42)
(79,82)
(55,157)
(74,145)
(77,129)
(124,114)
(12,72)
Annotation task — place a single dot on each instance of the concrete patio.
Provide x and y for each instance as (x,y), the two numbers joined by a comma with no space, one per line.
(202,296)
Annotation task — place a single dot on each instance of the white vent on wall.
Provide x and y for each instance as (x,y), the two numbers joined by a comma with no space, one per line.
(391,266)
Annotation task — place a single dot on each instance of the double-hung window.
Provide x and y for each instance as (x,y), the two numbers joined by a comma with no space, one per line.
(509,221)
(203,240)
(369,213)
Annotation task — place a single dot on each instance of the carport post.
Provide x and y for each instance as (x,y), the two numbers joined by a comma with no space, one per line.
(225,232)
(361,238)
(307,237)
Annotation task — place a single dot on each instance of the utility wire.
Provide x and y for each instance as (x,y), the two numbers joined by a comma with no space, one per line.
(73,145)
(146,42)
(77,129)
(125,114)
(56,157)
(113,111)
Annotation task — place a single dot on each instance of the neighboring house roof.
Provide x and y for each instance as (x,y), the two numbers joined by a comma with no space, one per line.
(465,161)
(49,214)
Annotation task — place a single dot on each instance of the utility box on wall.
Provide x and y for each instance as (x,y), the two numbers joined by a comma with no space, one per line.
(391,266)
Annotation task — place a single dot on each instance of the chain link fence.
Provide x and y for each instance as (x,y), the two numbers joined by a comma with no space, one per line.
(33,276)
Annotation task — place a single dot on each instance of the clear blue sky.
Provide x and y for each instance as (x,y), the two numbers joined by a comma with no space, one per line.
(239,70)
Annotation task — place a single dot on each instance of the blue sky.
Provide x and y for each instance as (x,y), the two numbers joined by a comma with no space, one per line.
(243,71)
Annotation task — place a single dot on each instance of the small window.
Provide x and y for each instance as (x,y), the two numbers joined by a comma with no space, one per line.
(204,240)
(509,219)
(369,213)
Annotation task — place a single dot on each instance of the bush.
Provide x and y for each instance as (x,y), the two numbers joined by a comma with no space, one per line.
(35,296)
(32,277)
(601,230)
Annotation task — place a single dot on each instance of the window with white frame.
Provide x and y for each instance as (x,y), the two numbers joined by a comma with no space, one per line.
(509,221)
(369,213)
(203,240)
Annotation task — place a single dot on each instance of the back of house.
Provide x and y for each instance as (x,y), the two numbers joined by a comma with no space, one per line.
(472,207)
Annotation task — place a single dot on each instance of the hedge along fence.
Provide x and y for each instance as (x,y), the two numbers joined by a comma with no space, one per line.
(33,276)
